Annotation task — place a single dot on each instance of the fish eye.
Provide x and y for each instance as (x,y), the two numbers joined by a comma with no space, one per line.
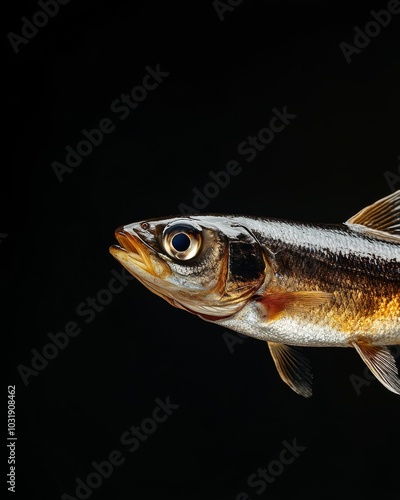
(181,241)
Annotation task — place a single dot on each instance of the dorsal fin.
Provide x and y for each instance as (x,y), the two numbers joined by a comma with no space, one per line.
(382,217)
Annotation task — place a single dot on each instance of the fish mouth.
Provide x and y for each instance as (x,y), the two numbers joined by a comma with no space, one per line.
(133,251)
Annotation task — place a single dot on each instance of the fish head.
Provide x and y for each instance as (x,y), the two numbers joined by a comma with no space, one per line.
(208,265)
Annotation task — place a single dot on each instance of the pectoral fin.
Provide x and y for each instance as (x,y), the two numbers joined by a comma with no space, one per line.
(382,364)
(293,368)
(277,303)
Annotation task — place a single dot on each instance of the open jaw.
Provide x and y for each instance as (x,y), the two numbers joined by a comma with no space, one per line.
(132,252)
(142,262)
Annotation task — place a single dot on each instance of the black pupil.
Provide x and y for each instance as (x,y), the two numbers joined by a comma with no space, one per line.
(181,242)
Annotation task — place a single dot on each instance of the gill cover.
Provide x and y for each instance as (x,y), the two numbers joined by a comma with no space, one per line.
(246,266)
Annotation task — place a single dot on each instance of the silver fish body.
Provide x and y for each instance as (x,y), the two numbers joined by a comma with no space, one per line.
(361,271)
(287,283)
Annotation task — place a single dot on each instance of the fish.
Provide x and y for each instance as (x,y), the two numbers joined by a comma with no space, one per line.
(289,284)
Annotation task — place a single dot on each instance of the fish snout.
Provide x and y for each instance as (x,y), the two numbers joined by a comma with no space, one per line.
(127,239)
(136,254)
(131,249)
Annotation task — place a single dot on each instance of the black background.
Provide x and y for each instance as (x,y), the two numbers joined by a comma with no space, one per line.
(225,77)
